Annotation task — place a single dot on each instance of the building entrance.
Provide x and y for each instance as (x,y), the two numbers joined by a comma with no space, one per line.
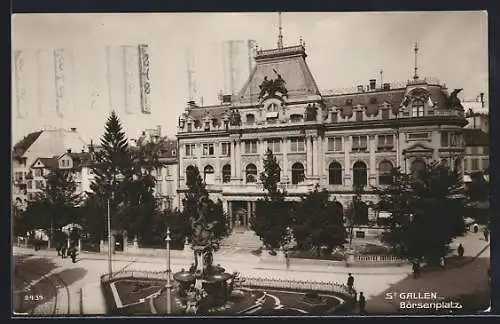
(240,215)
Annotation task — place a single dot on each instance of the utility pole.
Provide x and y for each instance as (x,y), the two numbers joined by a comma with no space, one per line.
(110,246)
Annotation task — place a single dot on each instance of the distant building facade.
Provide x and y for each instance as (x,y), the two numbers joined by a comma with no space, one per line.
(166,176)
(334,140)
(40,144)
(476,135)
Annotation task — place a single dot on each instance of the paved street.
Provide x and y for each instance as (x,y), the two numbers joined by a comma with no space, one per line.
(373,281)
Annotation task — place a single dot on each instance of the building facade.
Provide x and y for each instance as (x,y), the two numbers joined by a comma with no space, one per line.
(40,144)
(476,135)
(166,176)
(334,140)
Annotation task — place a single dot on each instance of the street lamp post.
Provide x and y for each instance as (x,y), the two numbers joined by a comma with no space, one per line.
(110,246)
(169,285)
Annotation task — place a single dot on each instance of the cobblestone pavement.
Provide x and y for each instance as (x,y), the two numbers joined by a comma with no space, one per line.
(374,281)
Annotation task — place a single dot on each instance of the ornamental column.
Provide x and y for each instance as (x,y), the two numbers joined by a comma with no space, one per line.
(308,156)
(315,156)
(237,159)
(284,167)
(233,159)
(347,162)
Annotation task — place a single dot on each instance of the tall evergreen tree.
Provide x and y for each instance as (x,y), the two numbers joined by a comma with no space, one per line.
(272,217)
(427,212)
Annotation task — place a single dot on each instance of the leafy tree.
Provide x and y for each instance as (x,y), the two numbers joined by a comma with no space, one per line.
(214,213)
(272,217)
(179,227)
(478,189)
(427,212)
(55,206)
(318,222)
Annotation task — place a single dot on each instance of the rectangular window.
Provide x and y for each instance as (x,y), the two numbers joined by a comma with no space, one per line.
(335,144)
(359,116)
(226,149)
(274,145)
(474,164)
(38,172)
(208,149)
(190,149)
(29,184)
(297,145)
(445,141)
(359,143)
(485,163)
(335,117)
(385,142)
(418,136)
(38,184)
(455,140)
(158,188)
(250,146)
(385,113)
(189,127)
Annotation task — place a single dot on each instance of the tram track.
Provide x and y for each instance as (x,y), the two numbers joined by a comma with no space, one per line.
(33,294)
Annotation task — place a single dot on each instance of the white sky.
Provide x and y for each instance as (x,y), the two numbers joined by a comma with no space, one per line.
(344,49)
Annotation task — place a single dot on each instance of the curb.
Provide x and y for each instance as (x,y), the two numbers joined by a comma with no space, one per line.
(460,264)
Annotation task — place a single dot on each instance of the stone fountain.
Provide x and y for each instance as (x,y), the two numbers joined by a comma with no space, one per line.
(204,287)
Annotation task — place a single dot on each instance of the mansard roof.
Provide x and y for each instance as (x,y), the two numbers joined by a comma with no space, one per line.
(393,97)
(289,62)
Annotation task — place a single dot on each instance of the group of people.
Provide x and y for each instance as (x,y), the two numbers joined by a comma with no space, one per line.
(63,251)
(361,300)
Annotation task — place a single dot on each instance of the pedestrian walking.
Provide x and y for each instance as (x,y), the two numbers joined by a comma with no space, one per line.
(350,282)
(362,303)
(72,251)
(63,251)
(486,234)
(460,250)
(416,269)
(287,260)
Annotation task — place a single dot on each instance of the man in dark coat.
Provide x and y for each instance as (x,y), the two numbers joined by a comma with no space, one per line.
(362,303)
(460,250)
(350,282)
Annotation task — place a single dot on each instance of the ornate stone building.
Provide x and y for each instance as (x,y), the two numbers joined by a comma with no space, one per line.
(336,140)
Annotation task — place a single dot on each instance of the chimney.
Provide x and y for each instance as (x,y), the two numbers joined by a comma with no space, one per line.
(73,129)
(69,150)
(482,99)
(361,88)
(373,83)
(387,86)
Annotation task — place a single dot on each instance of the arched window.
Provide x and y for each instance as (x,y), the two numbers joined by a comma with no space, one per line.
(360,174)
(417,167)
(226,173)
(209,175)
(385,173)
(335,173)
(251,171)
(417,108)
(297,173)
(190,172)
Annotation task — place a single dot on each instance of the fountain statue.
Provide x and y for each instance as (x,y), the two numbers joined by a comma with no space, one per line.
(204,286)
